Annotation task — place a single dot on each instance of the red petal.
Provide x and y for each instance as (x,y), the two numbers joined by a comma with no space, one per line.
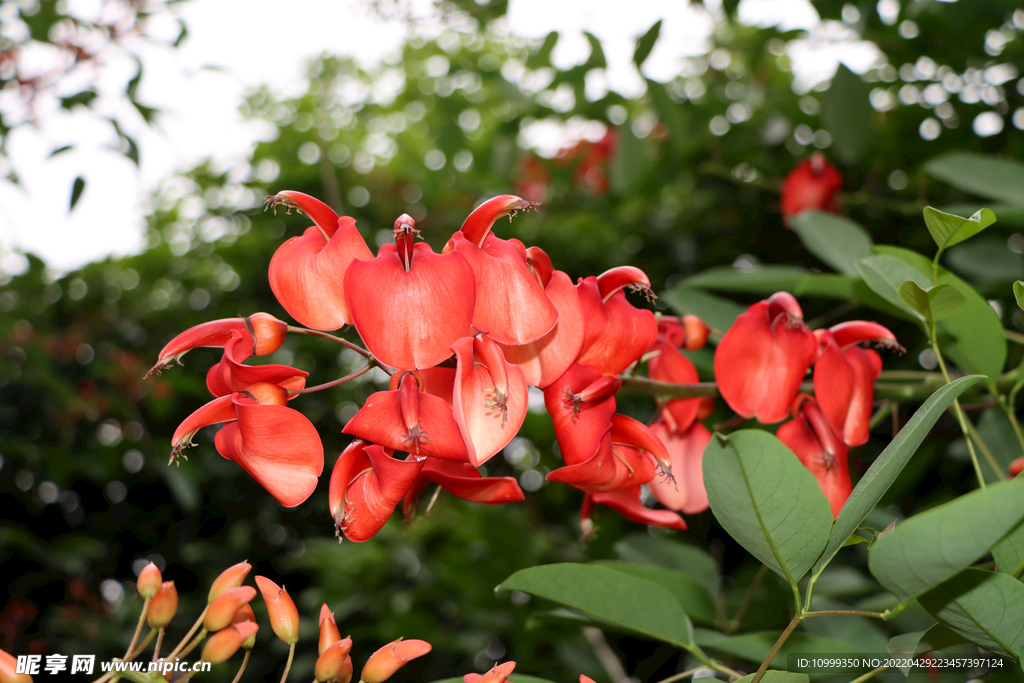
(685,491)
(615,332)
(627,503)
(857,331)
(410,319)
(231,375)
(579,425)
(307,274)
(464,481)
(316,210)
(613,467)
(546,359)
(671,366)
(439,382)
(630,432)
(478,224)
(813,184)
(511,305)
(761,361)
(278,446)
(366,485)
(830,469)
(488,418)
(216,411)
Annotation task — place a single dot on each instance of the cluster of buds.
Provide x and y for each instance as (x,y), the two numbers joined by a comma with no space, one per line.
(464,335)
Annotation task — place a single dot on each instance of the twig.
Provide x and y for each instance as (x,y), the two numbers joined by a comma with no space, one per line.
(734,625)
(612,666)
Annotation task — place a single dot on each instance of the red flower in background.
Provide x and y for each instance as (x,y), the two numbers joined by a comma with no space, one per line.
(813,184)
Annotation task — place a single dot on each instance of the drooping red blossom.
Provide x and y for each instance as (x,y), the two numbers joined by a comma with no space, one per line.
(230,374)
(684,491)
(546,359)
(627,503)
(668,365)
(813,184)
(820,449)
(845,374)
(409,304)
(366,486)
(628,455)
(464,481)
(490,397)
(267,332)
(307,273)
(276,445)
(762,359)
(511,306)
(615,332)
(581,404)
(407,419)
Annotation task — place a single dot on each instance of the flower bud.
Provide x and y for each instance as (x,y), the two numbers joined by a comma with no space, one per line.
(244,614)
(163,606)
(284,617)
(267,331)
(696,332)
(1016,467)
(222,610)
(232,577)
(334,663)
(329,633)
(8,666)
(498,674)
(223,644)
(386,661)
(149,581)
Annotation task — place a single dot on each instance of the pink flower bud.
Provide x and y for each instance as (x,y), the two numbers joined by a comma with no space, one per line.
(335,664)
(163,606)
(497,674)
(244,614)
(329,633)
(284,617)
(392,657)
(8,666)
(222,610)
(149,581)
(223,644)
(232,577)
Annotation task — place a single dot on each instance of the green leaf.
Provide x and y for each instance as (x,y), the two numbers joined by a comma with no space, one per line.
(986,260)
(77,188)
(846,115)
(980,346)
(717,312)
(947,229)
(596,60)
(929,548)
(645,44)
(836,240)
(1009,214)
(541,57)
(665,552)
(887,466)
(761,280)
(984,607)
(884,274)
(933,303)
(1009,552)
(628,601)
(938,637)
(767,500)
(630,166)
(1018,293)
(672,115)
(754,647)
(980,174)
(695,599)
(773,676)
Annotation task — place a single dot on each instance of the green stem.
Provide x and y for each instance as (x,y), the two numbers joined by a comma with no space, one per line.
(776,647)
(191,646)
(138,627)
(142,646)
(1014,336)
(681,676)
(159,642)
(809,593)
(985,451)
(932,337)
(241,669)
(288,664)
(135,676)
(880,414)
(869,675)
(174,653)
(697,652)
(844,613)
(734,625)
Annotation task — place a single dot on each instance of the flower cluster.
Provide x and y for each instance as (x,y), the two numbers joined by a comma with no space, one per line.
(813,184)
(464,335)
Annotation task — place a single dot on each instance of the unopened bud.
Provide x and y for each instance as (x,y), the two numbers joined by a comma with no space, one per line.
(696,332)
(244,614)
(329,633)
(163,606)
(284,617)
(334,663)
(386,661)
(222,610)
(8,667)
(232,577)
(149,581)
(223,644)
(497,674)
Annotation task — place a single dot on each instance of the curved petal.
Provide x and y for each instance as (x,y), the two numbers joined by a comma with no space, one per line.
(268,331)
(615,332)
(463,480)
(613,467)
(307,274)
(685,491)
(511,305)
(409,319)
(821,452)
(490,398)
(477,225)
(546,359)
(279,448)
(671,366)
(627,503)
(218,410)
(579,424)
(865,366)
(366,486)
(761,361)
(231,375)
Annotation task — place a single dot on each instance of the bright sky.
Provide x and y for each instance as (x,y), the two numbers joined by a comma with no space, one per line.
(253,42)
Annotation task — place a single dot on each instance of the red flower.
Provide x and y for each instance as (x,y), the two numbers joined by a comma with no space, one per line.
(463,480)
(615,332)
(307,274)
(277,446)
(497,674)
(511,305)
(668,365)
(366,486)
(1016,467)
(762,359)
(627,503)
(544,360)
(820,449)
(383,663)
(231,375)
(845,374)
(267,331)
(684,491)
(284,616)
(409,304)
(813,184)
(581,404)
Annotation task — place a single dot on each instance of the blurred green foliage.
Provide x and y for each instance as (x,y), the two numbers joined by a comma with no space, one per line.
(692,183)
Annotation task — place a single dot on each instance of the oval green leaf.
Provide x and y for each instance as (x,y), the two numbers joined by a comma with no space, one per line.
(665,552)
(767,500)
(931,547)
(948,229)
(627,601)
(836,240)
(980,174)
(694,598)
